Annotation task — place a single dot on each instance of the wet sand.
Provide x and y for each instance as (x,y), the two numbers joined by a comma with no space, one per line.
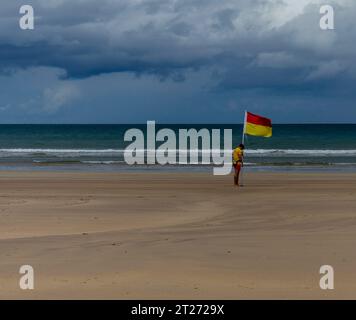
(173,236)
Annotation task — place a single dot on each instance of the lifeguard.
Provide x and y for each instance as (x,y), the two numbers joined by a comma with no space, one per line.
(237,162)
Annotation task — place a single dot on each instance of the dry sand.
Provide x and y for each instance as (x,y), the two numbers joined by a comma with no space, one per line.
(165,236)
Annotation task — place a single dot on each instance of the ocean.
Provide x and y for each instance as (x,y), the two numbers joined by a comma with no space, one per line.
(301,147)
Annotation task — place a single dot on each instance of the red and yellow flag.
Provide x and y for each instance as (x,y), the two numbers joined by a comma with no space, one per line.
(257,126)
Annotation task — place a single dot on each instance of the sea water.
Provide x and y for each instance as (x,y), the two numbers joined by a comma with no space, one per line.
(302,147)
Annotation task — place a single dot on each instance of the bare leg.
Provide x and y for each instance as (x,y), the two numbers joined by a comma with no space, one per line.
(237,174)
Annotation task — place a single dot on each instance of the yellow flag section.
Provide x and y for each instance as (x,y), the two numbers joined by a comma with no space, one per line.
(257,126)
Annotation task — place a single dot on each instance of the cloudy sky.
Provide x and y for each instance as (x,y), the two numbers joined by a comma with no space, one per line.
(177,61)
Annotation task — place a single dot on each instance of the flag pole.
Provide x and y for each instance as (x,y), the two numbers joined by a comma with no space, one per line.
(243,142)
(243,128)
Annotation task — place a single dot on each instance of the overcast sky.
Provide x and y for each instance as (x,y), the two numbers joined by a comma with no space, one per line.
(177,61)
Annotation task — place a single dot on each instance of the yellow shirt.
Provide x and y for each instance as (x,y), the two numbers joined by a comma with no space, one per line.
(237,155)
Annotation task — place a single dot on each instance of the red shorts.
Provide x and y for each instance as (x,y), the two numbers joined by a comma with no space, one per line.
(237,165)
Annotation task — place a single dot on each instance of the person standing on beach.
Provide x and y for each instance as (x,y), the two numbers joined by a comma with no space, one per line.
(237,162)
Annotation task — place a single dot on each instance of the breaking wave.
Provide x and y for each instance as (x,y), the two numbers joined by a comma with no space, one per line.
(116,152)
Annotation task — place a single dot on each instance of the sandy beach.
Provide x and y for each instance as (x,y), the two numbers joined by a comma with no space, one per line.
(173,236)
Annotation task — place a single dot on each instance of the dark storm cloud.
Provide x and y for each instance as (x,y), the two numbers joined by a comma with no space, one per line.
(216,52)
(88,37)
(249,42)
